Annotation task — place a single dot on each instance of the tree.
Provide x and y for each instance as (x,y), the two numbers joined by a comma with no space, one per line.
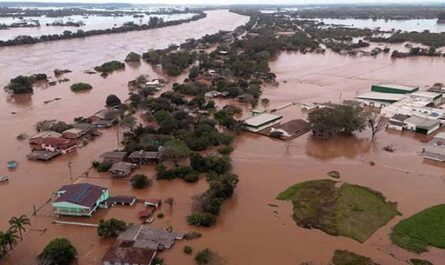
(3,244)
(112,100)
(10,238)
(19,223)
(204,257)
(140,181)
(111,227)
(59,251)
(330,121)
(176,150)
(265,103)
(21,85)
(376,123)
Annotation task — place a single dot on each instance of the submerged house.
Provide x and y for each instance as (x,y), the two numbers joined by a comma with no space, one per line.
(293,128)
(114,157)
(436,153)
(124,252)
(150,237)
(73,133)
(79,199)
(38,138)
(61,145)
(145,157)
(121,169)
(260,122)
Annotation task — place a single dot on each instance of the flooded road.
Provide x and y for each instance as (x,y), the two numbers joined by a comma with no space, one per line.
(249,231)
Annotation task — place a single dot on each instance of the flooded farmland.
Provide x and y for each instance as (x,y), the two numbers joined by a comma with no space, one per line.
(249,231)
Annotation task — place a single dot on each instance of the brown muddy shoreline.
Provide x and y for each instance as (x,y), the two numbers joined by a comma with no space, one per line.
(248,230)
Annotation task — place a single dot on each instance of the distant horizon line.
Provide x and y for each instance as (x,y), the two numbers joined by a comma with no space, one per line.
(353,3)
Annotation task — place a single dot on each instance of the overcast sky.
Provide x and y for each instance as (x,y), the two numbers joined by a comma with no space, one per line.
(188,2)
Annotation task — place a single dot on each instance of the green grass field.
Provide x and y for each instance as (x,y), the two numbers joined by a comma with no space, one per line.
(421,230)
(348,210)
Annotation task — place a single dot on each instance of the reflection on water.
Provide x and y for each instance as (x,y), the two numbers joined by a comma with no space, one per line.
(341,146)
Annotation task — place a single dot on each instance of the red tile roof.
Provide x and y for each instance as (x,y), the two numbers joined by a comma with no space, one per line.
(58,142)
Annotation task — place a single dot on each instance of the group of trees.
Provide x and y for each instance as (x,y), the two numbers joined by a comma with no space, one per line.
(15,232)
(172,62)
(222,184)
(109,67)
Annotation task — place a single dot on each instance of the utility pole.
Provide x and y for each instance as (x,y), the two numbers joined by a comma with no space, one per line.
(70,171)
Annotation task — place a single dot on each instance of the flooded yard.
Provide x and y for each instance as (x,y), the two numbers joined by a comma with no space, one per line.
(249,230)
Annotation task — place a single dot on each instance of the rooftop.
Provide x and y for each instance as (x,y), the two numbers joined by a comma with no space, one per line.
(144,155)
(114,154)
(62,142)
(293,126)
(47,134)
(122,167)
(381,96)
(81,194)
(422,122)
(261,119)
(150,236)
(426,94)
(124,252)
(399,87)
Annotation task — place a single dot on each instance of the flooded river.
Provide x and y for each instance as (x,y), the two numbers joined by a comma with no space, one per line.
(248,230)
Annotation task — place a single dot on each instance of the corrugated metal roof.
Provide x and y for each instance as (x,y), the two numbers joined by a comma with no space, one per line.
(83,194)
(261,119)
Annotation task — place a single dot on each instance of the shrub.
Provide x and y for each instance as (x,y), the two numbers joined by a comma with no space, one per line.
(140,181)
(188,250)
(201,219)
(59,251)
(160,215)
(192,235)
(111,227)
(77,87)
(109,67)
(104,167)
(204,257)
(191,177)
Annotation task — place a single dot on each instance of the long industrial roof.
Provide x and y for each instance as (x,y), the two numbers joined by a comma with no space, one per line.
(381,96)
(399,87)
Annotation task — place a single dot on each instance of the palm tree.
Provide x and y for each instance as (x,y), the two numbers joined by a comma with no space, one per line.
(2,244)
(10,238)
(19,223)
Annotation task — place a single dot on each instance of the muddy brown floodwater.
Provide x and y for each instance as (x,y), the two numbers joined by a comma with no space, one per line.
(248,230)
